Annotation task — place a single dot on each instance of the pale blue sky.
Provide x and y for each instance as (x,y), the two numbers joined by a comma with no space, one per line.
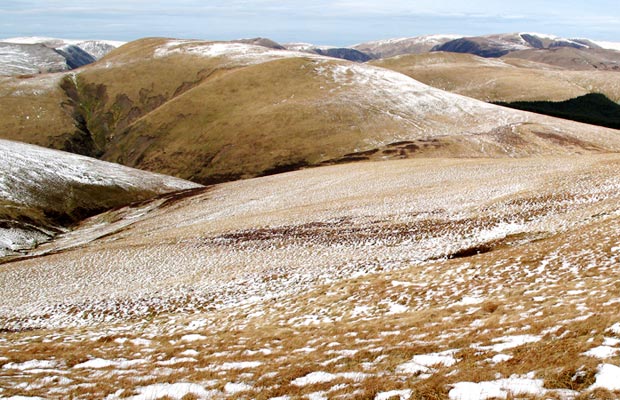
(340,22)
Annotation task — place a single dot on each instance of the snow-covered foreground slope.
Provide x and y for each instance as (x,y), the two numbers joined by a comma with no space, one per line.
(418,278)
(44,191)
(302,229)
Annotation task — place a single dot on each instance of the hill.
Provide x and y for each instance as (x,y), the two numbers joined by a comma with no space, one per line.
(399,46)
(44,192)
(232,110)
(501,44)
(495,45)
(403,278)
(330,51)
(576,59)
(505,79)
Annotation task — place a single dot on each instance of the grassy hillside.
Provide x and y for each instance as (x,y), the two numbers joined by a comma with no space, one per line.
(594,108)
(220,111)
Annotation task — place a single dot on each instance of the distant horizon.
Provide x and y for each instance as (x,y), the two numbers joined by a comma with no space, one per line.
(67,38)
(337,23)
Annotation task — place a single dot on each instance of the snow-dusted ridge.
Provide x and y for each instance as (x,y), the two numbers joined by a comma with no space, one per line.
(33,55)
(433,39)
(58,41)
(237,53)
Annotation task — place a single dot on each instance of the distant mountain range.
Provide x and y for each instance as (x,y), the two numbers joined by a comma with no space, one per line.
(31,55)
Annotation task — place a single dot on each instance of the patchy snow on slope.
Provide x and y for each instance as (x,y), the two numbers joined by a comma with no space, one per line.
(509,342)
(227,366)
(100,363)
(323,377)
(602,352)
(302,47)
(235,53)
(237,387)
(404,99)
(404,394)
(422,363)
(96,48)
(32,364)
(17,59)
(430,40)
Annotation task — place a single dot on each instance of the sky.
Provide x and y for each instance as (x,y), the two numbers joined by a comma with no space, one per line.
(339,22)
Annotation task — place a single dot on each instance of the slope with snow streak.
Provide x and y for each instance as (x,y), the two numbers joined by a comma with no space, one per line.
(42,191)
(293,231)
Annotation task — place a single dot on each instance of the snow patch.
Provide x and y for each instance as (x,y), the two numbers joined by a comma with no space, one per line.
(240,365)
(422,363)
(602,352)
(32,364)
(497,389)
(509,342)
(402,394)
(174,391)
(607,377)
(193,338)
(231,387)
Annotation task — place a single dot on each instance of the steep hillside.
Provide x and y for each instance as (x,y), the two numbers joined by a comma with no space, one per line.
(415,278)
(35,110)
(506,79)
(43,192)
